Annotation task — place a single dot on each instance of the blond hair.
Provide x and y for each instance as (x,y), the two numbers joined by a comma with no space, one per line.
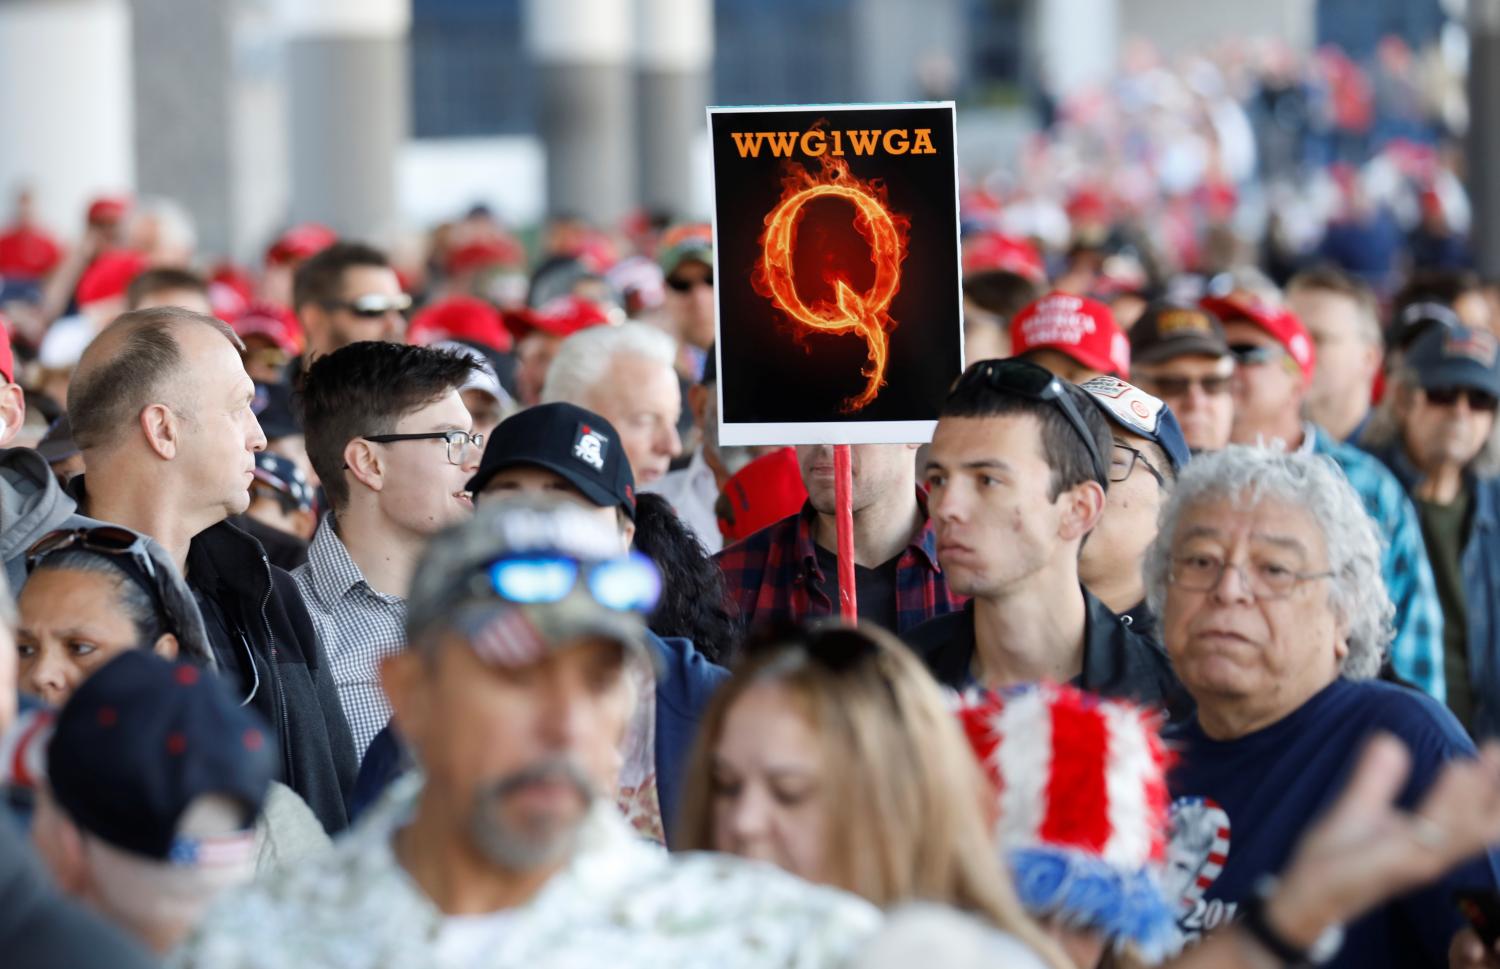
(906,816)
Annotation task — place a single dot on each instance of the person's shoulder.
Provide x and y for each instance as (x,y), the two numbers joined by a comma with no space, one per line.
(1367,473)
(682,661)
(757,545)
(931,635)
(748,902)
(1424,724)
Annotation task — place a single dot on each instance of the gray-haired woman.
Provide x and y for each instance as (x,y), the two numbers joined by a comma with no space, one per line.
(1266,574)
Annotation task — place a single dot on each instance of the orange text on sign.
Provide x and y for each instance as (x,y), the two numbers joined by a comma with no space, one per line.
(815,142)
(864,313)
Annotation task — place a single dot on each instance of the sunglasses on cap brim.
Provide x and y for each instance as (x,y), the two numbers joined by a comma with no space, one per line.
(1021,378)
(630,583)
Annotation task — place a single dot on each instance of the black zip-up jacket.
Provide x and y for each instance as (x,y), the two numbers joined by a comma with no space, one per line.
(263,640)
(255,614)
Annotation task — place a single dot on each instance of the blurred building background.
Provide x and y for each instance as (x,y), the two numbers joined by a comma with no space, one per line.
(383,116)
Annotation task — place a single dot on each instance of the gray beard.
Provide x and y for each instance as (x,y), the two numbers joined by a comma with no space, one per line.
(521,847)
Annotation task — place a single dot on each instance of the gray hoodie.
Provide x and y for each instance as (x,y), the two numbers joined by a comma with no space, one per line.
(32,504)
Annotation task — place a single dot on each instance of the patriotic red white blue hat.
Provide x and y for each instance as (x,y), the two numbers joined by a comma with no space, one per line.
(1081,784)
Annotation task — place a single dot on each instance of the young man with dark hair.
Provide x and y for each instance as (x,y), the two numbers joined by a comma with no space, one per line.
(1017,476)
(1343,318)
(160,406)
(392,442)
(346,293)
(168,286)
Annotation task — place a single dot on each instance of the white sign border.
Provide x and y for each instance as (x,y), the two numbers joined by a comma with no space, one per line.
(827,432)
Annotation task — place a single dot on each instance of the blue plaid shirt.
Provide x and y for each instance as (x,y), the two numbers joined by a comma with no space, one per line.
(1417,651)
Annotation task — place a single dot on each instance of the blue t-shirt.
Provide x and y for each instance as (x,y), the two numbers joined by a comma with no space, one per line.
(1239,807)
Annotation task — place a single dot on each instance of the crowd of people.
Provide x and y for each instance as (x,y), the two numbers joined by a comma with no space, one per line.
(378,608)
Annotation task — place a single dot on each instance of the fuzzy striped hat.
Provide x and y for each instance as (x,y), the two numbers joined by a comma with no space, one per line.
(1081,784)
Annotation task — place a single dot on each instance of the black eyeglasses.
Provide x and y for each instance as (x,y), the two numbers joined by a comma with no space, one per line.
(1120,467)
(1174,386)
(679,285)
(458,442)
(1024,379)
(1479,401)
(372,306)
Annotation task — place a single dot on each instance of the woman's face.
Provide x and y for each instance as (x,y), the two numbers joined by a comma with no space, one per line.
(71,624)
(768,798)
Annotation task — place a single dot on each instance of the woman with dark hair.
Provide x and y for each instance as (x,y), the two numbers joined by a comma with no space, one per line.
(692,597)
(92,593)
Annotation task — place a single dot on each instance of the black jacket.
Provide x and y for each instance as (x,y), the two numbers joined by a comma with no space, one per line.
(1117,662)
(260,630)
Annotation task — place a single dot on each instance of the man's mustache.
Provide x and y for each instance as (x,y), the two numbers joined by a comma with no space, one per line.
(551,770)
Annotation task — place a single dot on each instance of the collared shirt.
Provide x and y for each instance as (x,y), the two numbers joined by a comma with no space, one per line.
(618,902)
(1417,650)
(357,626)
(774,575)
(1117,661)
(693,492)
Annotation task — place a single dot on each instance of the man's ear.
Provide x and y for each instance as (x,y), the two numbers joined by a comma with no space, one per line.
(1082,506)
(363,461)
(163,430)
(12,412)
(166,646)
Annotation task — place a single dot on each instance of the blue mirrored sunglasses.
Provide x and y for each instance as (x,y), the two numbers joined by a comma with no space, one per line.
(630,583)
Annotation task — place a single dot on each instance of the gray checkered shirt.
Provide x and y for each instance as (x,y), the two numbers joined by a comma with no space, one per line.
(358,627)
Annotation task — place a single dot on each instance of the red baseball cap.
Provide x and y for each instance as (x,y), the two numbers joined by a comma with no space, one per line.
(7,356)
(1080,327)
(761,493)
(484,254)
(109,276)
(994,251)
(1279,322)
(276,323)
(299,242)
(108,209)
(464,318)
(562,316)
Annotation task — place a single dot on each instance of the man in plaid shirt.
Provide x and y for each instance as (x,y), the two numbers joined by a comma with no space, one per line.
(390,437)
(789,571)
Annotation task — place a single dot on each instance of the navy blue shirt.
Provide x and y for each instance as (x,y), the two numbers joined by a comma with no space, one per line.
(1239,806)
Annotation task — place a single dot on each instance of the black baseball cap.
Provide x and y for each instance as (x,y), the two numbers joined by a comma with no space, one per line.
(1167,330)
(566,439)
(142,739)
(1446,357)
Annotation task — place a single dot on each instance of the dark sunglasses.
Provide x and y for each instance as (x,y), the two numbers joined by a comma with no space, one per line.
(373,306)
(1024,379)
(1172,386)
(1479,401)
(679,285)
(1252,354)
(104,539)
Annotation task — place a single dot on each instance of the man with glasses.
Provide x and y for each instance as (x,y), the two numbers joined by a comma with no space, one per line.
(346,293)
(161,407)
(1178,353)
(1148,453)
(527,631)
(392,441)
(1435,430)
(1274,365)
(687,262)
(1017,475)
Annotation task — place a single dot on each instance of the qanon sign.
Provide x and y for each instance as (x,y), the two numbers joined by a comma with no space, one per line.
(866,313)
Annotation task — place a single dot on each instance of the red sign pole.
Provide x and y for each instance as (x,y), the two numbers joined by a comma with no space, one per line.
(843,488)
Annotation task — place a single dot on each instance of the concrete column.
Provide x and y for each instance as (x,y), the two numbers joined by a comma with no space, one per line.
(674,47)
(581,51)
(183,113)
(1484,133)
(1077,42)
(65,104)
(908,51)
(349,108)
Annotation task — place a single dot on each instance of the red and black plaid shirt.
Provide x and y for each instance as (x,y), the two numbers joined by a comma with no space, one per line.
(773,575)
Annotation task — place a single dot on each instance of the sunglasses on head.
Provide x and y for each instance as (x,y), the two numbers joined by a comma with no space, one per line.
(374,305)
(1448,397)
(630,583)
(679,285)
(1023,379)
(104,539)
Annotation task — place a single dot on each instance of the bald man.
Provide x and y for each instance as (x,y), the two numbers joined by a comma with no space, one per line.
(160,406)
